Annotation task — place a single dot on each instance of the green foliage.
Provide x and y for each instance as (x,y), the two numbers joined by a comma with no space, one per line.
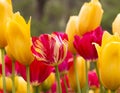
(57,13)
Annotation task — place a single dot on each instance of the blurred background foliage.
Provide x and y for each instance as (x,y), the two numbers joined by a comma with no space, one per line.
(52,15)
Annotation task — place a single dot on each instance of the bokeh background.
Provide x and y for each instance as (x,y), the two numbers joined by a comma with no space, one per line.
(52,15)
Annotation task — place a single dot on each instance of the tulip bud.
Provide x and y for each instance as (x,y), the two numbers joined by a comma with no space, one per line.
(5,12)
(116,25)
(8,83)
(71,30)
(90,16)
(19,40)
(80,63)
(22,86)
(46,85)
(109,61)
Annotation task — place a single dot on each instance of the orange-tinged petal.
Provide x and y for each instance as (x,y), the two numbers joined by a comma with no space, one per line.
(71,30)
(80,63)
(116,25)
(107,37)
(5,13)
(89,16)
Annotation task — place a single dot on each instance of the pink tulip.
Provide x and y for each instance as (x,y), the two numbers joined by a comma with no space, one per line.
(84,45)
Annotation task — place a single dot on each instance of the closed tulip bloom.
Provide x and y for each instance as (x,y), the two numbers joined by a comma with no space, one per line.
(19,40)
(109,60)
(71,31)
(116,25)
(50,48)
(22,86)
(84,45)
(80,64)
(5,12)
(47,84)
(89,16)
(8,83)
(93,80)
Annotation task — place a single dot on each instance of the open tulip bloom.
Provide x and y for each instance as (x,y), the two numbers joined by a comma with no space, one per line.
(51,49)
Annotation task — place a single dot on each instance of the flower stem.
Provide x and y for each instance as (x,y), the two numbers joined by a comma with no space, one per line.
(65,83)
(101,87)
(87,87)
(13,77)
(36,89)
(76,75)
(3,69)
(58,79)
(28,79)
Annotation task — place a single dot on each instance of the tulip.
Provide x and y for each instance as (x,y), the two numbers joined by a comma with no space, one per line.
(71,31)
(109,60)
(47,84)
(18,39)
(89,17)
(54,86)
(116,25)
(5,13)
(50,49)
(80,66)
(36,68)
(8,83)
(84,45)
(65,65)
(22,86)
(93,79)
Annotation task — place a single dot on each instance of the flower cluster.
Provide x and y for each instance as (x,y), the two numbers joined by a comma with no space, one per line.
(83,59)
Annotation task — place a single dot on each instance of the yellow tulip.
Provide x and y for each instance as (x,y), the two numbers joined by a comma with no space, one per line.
(22,86)
(116,25)
(89,16)
(5,12)
(19,40)
(109,60)
(8,83)
(46,85)
(80,63)
(71,30)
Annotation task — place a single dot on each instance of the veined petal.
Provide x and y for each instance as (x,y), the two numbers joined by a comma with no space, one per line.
(51,49)
(19,40)
(110,62)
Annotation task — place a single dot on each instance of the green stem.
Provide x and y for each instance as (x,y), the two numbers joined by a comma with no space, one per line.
(36,89)
(58,79)
(101,87)
(13,77)
(28,79)
(87,87)
(76,75)
(105,91)
(3,70)
(65,83)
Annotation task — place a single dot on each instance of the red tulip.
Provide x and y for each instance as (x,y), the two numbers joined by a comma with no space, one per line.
(84,45)
(93,79)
